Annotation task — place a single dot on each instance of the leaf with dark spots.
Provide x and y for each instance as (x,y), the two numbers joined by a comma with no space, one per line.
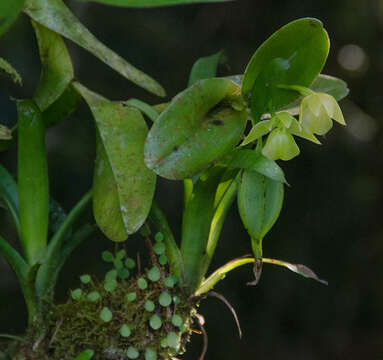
(123,185)
(188,123)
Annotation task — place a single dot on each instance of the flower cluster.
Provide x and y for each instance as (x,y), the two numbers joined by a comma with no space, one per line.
(315,118)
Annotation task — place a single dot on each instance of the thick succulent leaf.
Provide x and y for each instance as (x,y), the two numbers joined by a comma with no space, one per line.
(186,137)
(62,108)
(295,54)
(260,201)
(152,3)
(129,190)
(33,186)
(205,67)
(56,67)
(8,69)
(54,15)
(9,11)
(253,160)
(196,224)
(8,192)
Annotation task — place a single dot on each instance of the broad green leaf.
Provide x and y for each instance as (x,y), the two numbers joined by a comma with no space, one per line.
(153,3)
(252,160)
(205,67)
(7,68)
(33,186)
(294,55)
(54,15)
(85,355)
(260,201)
(62,108)
(8,192)
(56,67)
(196,224)
(9,11)
(123,185)
(189,135)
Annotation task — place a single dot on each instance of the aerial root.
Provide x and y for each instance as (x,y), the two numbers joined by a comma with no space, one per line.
(226,302)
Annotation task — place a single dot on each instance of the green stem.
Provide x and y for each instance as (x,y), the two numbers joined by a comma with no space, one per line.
(157,217)
(22,270)
(46,277)
(188,190)
(33,185)
(219,217)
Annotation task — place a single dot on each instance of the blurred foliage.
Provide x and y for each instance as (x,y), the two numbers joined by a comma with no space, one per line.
(331,217)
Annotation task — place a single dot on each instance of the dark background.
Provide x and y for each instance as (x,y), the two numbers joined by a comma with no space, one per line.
(331,220)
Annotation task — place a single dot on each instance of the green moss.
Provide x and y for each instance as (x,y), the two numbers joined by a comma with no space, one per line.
(129,317)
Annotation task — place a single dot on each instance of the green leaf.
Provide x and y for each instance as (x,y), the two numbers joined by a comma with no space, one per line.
(56,67)
(8,192)
(294,55)
(85,355)
(7,68)
(189,135)
(196,224)
(33,186)
(260,201)
(106,315)
(54,15)
(62,108)
(123,185)
(9,11)
(205,67)
(252,160)
(152,3)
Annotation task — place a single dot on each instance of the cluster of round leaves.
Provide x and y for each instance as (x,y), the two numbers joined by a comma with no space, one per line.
(131,307)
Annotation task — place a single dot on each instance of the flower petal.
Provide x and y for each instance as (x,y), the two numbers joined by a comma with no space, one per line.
(285,118)
(332,107)
(297,130)
(259,129)
(280,144)
(318,122)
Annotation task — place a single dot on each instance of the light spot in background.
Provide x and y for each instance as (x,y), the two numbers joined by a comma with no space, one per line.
(352,58)
(360,125)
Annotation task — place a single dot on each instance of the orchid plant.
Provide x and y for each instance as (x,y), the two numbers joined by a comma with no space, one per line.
(221,136)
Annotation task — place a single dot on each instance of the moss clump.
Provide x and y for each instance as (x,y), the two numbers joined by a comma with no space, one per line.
(124,320)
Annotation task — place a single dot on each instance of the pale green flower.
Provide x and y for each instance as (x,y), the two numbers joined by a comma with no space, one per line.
(280,144)
(316,112)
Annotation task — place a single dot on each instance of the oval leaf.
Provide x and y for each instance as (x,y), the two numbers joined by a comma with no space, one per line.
(123,185)
(85,355)
(295,54)
(186,137)
(9,11)
(260,201)
(54,15)
(57,70)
